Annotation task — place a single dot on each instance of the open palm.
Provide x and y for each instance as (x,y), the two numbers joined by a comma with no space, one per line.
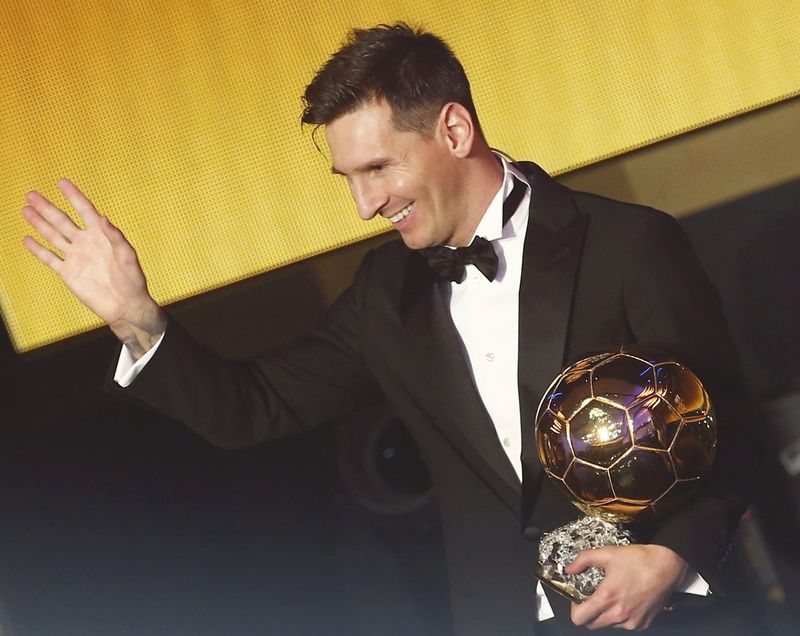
(98,265)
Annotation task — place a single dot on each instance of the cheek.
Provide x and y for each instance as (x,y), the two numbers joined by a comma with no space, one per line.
(403,185)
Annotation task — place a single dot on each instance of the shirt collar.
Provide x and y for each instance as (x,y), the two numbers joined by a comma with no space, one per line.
(491,225)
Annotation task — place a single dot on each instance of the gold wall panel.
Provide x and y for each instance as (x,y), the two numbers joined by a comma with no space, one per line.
(180,119)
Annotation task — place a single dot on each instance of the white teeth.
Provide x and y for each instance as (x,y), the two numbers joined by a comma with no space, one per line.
(402,213)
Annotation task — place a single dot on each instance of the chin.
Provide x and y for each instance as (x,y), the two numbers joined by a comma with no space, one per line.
(415,243)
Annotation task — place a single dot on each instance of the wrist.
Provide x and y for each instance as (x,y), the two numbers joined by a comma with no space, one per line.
(140,328)
(673,564)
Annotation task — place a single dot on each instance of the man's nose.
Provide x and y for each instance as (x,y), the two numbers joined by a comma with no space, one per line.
(369,199)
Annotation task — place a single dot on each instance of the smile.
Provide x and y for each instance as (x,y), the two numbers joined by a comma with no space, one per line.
(402,213)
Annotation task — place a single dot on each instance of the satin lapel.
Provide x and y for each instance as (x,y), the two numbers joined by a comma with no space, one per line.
(553,246)
(462,417)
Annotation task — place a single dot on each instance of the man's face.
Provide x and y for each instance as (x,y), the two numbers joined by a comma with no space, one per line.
(406,177)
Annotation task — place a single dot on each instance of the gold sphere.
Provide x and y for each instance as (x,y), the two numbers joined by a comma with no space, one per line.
(626,433)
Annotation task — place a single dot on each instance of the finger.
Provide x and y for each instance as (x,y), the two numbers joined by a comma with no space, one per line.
(113,233)
(603,621)
(83,206)
(44,228)
(586,559)
(43,254)
(613,617)
(585,613)
(577,565)
(53,215)
(123,250)
(577,614)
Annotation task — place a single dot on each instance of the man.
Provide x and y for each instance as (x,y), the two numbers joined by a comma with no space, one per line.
(465,359)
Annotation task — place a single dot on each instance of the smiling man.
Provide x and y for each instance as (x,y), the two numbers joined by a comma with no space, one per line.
(461,341)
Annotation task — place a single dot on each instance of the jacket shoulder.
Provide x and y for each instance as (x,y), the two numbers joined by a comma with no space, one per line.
(555,205)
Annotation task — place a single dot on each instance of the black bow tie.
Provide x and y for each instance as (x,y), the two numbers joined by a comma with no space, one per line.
(450,264)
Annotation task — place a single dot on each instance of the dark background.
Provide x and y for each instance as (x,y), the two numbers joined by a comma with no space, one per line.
(116,521)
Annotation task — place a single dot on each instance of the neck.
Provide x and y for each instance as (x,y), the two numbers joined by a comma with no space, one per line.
(482,178)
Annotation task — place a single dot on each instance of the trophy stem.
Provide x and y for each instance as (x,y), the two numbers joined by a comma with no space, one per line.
(558,548)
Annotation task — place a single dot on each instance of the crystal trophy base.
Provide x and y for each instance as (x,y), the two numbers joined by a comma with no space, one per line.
(558,548)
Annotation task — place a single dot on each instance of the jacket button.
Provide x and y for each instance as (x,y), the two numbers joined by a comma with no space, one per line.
(532,533)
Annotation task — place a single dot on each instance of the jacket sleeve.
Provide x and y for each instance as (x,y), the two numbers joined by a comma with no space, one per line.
(669,300)
(235,403)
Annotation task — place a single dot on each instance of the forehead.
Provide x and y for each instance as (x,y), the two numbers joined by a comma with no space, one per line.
(363,136)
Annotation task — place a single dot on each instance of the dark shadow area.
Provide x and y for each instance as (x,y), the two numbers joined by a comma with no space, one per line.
(751,249)
(125,523)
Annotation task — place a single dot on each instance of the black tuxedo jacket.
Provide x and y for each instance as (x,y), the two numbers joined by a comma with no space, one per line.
(597,274)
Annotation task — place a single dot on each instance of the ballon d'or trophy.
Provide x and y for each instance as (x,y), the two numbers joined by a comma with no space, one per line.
(622,434)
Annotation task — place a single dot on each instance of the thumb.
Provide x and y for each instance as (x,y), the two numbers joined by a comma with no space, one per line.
(586,559)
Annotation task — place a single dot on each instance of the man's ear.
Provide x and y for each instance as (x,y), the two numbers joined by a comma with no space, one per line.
(457,129)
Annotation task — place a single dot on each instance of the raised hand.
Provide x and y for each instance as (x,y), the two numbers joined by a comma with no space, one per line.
(99,266)
(638,582)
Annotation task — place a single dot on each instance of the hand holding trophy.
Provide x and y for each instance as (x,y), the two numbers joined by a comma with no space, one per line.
(622,434)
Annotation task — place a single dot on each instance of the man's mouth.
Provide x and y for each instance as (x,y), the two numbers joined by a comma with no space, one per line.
(402,213)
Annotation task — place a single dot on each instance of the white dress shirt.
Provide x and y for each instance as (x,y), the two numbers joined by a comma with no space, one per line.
(486,316)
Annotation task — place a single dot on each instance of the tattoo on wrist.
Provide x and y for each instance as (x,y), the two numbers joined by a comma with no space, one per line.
(140,342)
(139,339)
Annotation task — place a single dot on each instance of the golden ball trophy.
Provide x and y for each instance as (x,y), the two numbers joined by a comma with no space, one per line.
(622,434)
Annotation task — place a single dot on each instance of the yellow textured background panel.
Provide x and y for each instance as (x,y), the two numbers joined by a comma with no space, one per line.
(180,119)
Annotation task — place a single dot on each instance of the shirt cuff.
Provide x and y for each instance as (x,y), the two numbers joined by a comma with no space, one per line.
(693,583)
(128,368)
(543,609)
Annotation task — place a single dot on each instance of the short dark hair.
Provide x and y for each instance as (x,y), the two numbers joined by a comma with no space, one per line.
(415,72)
